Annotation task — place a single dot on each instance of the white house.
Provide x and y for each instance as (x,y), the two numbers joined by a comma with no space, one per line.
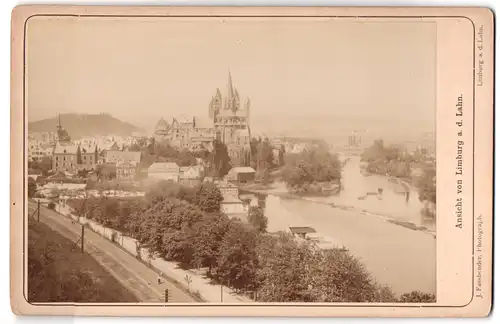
(191,175)
(164,171)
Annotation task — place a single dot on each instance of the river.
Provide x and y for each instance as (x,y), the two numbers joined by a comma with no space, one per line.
(402,258)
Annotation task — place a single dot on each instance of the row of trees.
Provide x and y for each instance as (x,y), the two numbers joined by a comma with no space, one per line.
(42,166)
(185,225)
(311,171)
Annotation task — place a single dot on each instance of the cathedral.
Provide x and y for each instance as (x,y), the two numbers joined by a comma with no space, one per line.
(231,121)
(228,121)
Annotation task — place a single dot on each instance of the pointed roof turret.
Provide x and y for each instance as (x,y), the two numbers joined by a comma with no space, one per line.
(161,126)
(229,86)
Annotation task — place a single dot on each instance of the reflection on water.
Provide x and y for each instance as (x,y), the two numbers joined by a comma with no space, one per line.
(375,194)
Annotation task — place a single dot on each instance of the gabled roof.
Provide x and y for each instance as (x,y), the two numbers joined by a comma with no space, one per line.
(87,149)
(125,156)
(163,167)
(65,149)
(114,146)
(162,126)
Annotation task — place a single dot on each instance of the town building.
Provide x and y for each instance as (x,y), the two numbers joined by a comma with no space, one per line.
(114,156)
(162,131)
(231,118)
(228,121)
(192,133)
(38,150)
(191,175)
(231,204)
(126,170)
(44,138)
(227,188)
(87,157)
(64,158)
(241,175)
(164,171)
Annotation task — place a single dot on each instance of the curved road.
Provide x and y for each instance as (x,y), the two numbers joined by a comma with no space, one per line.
(134,275)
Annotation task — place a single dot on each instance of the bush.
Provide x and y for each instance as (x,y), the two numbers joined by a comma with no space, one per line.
(52,205)
(31,187)
(417,297)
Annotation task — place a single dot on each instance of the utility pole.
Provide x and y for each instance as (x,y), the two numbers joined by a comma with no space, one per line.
(38,211)
(166,295)
(83,232)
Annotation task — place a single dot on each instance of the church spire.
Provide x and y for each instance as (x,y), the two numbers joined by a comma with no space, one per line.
(229,87)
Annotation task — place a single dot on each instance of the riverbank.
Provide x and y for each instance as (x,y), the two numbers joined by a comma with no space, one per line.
(269,190)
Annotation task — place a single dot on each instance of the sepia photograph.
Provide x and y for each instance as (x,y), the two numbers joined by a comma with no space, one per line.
(233,160)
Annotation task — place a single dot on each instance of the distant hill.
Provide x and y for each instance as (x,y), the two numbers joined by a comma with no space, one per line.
(82,125)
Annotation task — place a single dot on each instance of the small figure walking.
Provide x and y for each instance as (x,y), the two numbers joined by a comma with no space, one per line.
(159,278)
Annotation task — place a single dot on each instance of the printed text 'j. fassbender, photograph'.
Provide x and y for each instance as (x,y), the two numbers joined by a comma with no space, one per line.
(226,161)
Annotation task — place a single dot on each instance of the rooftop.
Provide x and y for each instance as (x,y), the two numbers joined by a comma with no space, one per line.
(162,166)
(242,170)
(126,156)
(302,230)
(65,149)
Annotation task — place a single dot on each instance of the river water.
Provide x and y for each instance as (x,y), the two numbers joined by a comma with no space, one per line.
(397,256)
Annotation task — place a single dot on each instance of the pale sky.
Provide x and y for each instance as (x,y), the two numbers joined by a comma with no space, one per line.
(140,69)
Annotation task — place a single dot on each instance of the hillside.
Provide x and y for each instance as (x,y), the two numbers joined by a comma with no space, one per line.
(58,273)
(81,125)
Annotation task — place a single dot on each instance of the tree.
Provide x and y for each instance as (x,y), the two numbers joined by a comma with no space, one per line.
(206,196)
(338,276)
(96,154)
(283,274)
(265,156)
(221,163)
(417,297)
(106,171)
(427,184)
(281,158)
(257,219)
(303,171)
(31,187)
(78,155)
(208,241)
(237,259)
(44,165)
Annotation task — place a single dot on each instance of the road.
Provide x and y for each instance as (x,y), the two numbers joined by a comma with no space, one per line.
(134,275)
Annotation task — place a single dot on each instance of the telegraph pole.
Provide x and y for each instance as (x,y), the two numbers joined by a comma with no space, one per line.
(38,211)
(83,232)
